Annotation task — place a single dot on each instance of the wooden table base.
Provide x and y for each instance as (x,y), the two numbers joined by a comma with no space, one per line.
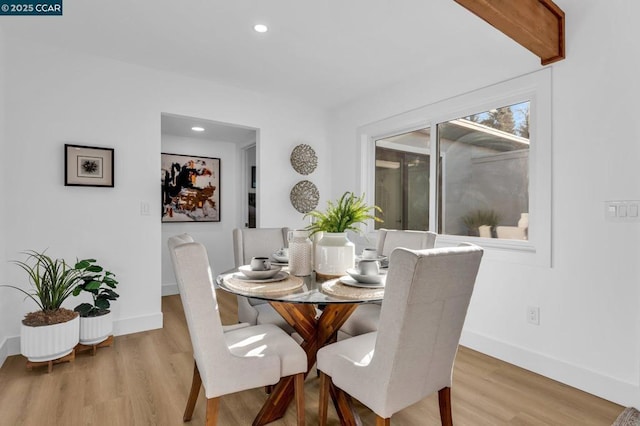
(315,332)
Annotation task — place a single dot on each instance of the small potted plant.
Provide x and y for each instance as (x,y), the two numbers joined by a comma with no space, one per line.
(477,218)
(334,252)
(96,321)
(52,332)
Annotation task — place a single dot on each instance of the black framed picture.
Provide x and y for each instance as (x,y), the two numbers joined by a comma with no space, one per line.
(88,166)
(190,188)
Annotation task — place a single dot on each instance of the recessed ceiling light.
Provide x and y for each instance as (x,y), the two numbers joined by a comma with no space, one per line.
(261,28)
(197,129)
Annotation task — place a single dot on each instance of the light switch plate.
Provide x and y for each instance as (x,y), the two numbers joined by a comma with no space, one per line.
(621,211)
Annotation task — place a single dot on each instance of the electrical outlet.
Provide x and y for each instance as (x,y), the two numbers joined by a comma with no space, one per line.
(533,315)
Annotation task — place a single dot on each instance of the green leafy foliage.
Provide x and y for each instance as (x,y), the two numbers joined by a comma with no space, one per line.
(342,215)
(477,218)
(52,280)
(100,284)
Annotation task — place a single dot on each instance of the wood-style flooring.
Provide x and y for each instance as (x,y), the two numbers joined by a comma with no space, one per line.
(144,379)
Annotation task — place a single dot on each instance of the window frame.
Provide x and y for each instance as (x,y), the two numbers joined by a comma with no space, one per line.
(535,88)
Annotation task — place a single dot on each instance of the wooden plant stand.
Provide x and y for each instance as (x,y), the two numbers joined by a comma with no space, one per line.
(67,358)
(83,348)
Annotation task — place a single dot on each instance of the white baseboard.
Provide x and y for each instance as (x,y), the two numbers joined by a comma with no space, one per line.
(137,324)
(170,289)
(10,346)
(621,392)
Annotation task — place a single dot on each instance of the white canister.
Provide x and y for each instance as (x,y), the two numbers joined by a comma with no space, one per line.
(300,252)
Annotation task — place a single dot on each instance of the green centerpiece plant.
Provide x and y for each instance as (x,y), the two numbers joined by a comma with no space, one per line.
(341,216)
(334,253)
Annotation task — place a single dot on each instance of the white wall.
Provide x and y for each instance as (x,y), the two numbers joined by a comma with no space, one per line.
(55,97)
(216,236)
(589,332)
(4,300)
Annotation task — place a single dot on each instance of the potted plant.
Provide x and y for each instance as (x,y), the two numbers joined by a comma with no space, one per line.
(51,332)
(334,253)
(96,321)
(477,218)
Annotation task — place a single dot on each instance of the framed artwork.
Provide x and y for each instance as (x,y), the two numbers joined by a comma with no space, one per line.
(190,188)
(88,166)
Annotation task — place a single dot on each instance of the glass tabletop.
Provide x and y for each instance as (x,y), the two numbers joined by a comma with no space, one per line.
(310,292)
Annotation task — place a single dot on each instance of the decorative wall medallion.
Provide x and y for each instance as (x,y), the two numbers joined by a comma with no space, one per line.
(304,196)
(304,159)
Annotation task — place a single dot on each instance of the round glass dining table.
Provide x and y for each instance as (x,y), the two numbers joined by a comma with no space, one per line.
(296,300)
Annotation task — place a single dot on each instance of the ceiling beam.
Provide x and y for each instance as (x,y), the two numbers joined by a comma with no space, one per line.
(537,25)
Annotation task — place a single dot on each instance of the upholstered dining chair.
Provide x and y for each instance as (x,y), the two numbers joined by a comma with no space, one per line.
(412,353)
(366,317)
(232,361)
(252,242)
(187,238)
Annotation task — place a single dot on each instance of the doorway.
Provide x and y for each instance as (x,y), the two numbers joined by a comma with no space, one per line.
(250,212)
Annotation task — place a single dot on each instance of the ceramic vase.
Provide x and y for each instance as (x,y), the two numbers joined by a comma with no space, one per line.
(334,254)
(300,253)
(49,342)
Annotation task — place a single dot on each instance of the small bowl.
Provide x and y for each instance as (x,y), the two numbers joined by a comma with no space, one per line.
(259,275)
(367,279)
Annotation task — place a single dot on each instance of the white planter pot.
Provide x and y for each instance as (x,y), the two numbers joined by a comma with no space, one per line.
(334,254)
(49,342)
(94,330)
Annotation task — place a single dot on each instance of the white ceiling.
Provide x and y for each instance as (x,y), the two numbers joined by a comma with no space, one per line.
(178,125)
(323,52)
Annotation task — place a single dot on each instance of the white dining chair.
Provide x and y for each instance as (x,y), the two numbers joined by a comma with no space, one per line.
(232,361)
(252,242)
(412,354)
(366,316)
(187,238)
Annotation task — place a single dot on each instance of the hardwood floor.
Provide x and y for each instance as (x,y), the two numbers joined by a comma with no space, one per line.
(144,379)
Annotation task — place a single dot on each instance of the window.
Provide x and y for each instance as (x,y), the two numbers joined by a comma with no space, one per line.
(485,173)
(491,179)
(402,180)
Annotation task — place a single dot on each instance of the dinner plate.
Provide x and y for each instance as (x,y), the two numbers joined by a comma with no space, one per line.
(353,283)
(365,279)
(281,275)
(259,275)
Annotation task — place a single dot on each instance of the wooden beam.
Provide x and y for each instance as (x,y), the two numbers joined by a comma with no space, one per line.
(537,25)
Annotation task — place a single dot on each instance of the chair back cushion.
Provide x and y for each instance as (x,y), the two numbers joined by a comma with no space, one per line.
(198,295)
(389,239)
(252,242)
(426,299)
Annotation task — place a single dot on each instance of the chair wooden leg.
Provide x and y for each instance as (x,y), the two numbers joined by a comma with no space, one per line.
(383,422)
(299,391)
(213,406)
(193,394)
(444,397)
(325,382)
